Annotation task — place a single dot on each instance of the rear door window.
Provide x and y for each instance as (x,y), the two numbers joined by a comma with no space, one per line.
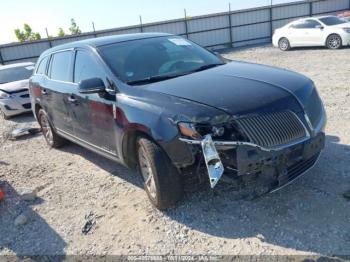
(61,66)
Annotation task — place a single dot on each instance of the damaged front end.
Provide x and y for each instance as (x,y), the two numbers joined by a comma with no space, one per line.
(275,146)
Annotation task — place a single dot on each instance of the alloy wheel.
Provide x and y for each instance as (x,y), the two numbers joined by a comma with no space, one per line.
(334,42)
(46,129)
(147,173)
(284,44)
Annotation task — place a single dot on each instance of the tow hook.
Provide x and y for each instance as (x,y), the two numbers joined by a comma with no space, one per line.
(212,160)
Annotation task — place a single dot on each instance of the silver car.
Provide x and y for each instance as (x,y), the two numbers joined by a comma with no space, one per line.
(14,93)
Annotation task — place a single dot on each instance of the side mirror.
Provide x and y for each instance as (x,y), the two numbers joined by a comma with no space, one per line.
(91,86)
(320,27)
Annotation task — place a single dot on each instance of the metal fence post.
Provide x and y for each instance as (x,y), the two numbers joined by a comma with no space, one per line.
(230,24)
(1,59)
(310,7)
(186,25)
(271,20)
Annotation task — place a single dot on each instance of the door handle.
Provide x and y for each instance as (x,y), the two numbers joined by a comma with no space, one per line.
(72,99)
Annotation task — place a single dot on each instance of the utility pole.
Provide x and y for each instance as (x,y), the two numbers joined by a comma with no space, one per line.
(47,33)
(93,28)
(48,37)
(141,26)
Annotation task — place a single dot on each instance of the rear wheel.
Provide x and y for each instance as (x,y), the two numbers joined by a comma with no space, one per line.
(51,137)
(162,182)
(334,41)
(284,44)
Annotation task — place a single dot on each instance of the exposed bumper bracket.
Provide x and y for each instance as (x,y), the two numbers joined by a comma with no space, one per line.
(212,160)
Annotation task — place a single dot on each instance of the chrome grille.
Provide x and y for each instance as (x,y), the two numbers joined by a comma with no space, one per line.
(269,130)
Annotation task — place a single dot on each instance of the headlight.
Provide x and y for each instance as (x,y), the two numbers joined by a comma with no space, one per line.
(347,30)
(4,95)
(198,131)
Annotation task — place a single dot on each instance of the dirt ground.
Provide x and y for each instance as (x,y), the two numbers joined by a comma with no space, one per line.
(310,216)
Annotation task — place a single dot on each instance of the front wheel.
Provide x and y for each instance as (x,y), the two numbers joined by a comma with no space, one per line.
(162,182)
(334,42)
(2,114)
(284,44)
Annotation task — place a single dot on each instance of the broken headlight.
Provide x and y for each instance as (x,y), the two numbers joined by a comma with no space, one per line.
(226,131)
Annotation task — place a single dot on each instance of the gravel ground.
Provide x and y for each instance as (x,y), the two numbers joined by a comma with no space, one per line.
(75,186)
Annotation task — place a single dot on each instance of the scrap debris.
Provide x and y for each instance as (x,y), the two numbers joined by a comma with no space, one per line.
(24,131)
(90,222)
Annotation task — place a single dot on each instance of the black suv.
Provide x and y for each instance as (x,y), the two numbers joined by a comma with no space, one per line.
(178,112)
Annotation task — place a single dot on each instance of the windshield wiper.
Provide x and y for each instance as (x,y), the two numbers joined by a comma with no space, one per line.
(205,67)
(153,79)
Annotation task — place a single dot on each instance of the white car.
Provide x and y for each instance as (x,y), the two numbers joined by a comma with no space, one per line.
(14,93)
(330,31)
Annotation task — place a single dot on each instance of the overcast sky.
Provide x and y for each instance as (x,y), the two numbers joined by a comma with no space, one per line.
(52,14)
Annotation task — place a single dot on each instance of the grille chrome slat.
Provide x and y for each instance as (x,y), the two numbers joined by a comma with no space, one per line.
(269,130)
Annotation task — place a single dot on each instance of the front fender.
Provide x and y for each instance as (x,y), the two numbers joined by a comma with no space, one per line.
(137,115)
(157,115)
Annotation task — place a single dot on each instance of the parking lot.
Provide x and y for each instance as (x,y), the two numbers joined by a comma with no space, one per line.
(310,216)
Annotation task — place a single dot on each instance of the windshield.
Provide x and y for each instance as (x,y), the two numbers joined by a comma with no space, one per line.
(332,20)
(156,59)
(15,74)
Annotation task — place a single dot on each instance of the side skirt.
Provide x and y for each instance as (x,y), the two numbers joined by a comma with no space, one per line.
(89,146)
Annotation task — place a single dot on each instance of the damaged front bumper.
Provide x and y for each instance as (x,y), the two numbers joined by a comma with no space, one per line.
(284,163)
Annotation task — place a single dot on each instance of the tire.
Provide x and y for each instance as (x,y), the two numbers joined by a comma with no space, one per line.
(5,117)
(162,182)
(334,41)
(51,137)
(284,44)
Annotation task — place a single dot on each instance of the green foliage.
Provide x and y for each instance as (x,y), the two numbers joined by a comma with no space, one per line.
(74,29)
(27,34)
(20,35)
(61,33)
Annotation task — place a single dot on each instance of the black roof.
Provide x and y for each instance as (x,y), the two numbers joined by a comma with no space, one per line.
(99,41)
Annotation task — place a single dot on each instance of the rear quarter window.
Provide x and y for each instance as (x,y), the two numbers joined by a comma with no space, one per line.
(41,70)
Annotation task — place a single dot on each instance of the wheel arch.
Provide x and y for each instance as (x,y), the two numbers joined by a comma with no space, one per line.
(37,107)
(178,152)
(129,140)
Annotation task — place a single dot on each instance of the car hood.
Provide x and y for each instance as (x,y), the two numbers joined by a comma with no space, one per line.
(14,87)
(345,25)
(241,88)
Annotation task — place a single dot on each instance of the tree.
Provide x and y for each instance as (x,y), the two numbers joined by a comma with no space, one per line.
(61,33)
(27,34)
(74,29)
(20,35)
